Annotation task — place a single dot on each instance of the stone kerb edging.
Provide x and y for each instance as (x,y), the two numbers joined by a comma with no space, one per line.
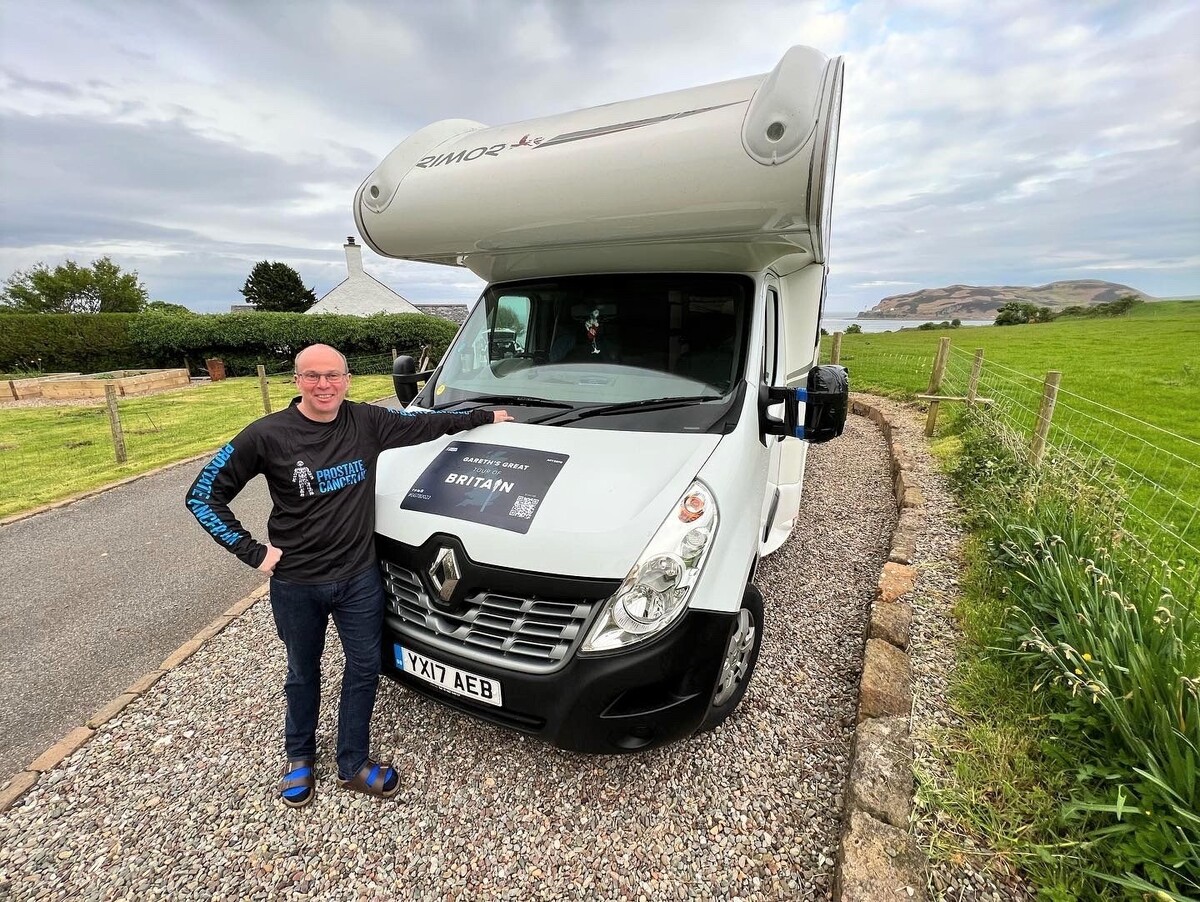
(12,791)
(877,857)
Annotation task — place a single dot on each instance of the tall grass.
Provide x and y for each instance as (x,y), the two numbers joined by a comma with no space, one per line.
(1109,654)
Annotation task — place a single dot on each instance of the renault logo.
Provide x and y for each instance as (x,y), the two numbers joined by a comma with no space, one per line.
(444,573)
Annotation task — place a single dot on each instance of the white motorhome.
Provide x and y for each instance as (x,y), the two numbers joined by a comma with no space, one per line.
(656,274)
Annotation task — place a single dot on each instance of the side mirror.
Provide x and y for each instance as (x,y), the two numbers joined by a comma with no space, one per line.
(826,400)
(768,397)
(404,379)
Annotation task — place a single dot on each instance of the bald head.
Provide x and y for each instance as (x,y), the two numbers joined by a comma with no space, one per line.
(316,357)
(322,378)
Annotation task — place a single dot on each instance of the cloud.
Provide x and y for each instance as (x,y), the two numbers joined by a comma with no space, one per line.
(1001,142)
(992,145)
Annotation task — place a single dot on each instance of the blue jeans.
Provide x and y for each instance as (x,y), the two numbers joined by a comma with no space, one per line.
(302,611)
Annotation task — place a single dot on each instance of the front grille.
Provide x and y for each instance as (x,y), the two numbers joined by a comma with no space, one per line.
(530,634)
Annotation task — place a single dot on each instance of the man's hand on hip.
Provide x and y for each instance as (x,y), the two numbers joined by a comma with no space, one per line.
(272,558)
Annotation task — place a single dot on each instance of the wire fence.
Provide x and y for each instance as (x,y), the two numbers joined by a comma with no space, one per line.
(1151,473)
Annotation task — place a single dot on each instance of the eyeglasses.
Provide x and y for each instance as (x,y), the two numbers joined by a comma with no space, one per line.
(314,378)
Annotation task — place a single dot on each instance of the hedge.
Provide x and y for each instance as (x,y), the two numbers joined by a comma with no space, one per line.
(244,340)
(95,342)
(67,342)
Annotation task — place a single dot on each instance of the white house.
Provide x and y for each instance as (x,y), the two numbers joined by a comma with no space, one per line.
(360,294)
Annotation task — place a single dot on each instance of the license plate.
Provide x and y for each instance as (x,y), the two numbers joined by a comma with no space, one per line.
(451,679)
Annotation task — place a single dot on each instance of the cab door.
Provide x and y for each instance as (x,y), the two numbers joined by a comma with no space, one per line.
(792,307)
(777,499)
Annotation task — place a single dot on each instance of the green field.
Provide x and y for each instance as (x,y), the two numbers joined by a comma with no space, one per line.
(48,453)
(1129,401)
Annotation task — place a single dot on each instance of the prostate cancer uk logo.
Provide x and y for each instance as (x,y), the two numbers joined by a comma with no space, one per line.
(495,485)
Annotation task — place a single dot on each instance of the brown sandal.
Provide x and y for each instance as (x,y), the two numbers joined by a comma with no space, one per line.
(371,779)
(299,783)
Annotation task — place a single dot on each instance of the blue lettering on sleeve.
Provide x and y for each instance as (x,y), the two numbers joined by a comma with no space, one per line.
(202,491)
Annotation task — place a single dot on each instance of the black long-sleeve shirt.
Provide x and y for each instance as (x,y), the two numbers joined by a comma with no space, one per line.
(322,482)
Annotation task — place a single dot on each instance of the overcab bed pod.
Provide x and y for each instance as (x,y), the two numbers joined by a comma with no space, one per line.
(656,273)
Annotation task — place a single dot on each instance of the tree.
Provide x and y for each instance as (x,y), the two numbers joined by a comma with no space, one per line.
(1017,313)
(166,307)
(71,288)
(277,288)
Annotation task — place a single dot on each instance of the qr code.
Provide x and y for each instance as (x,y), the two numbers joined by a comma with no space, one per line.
(524,507)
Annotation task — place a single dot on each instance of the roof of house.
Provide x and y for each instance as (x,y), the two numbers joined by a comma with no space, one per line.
(360,294)
(456,313)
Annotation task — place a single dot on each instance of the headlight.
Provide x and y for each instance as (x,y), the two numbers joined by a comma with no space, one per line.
(656,590)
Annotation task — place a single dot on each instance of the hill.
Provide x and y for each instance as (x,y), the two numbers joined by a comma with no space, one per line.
(982,302)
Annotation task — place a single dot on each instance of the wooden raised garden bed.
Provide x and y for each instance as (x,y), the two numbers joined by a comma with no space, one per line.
(91,385)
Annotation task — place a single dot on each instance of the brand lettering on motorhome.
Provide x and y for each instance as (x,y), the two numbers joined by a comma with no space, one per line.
(479,482)
(475,153)
(460,157)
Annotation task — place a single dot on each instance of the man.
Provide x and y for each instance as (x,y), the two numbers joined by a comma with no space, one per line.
(318,457)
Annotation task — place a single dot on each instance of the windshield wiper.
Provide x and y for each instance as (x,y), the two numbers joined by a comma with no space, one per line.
(601,410)
(517,400)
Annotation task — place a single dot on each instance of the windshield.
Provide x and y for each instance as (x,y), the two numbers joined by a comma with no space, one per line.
(587,342)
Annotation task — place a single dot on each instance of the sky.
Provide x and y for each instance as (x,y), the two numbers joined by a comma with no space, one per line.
(997,143)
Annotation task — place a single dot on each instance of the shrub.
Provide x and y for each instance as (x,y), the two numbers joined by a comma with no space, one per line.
(162,338)
(68,342)
(244,340)
(1119,307)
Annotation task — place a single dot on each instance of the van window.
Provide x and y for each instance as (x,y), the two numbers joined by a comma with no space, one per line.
(590,341)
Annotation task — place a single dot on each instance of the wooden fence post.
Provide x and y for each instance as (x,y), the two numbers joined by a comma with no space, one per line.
(114,420)
(935,383)
(394,355)
(423,365)
(1045,414)
(262,385)
(976,369)
(835,353)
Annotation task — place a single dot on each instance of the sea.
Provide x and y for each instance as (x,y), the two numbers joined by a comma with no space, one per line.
(837,322)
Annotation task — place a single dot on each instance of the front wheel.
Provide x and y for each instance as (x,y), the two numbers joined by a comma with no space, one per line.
(737,666)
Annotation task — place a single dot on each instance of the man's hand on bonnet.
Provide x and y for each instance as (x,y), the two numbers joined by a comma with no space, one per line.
(501,416)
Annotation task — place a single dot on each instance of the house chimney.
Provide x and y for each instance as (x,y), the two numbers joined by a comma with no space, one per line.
(354,265)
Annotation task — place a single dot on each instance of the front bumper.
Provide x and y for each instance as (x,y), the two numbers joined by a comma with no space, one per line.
(648,696)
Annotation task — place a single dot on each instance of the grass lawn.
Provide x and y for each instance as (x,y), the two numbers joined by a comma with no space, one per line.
(48,453)
(1129,398)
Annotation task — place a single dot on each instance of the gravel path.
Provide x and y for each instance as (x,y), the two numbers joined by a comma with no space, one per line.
(173,799)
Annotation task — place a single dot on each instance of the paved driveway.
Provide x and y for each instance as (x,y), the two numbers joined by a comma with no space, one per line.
(99,592)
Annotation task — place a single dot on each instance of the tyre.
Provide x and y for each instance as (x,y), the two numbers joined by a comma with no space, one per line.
(737,665)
